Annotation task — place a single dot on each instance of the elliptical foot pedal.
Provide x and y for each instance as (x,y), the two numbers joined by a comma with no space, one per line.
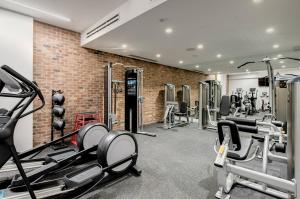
(84,176)
(59,155)
(59,146)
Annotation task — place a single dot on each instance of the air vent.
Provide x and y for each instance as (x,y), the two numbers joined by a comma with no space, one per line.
(104,25)
(143,58)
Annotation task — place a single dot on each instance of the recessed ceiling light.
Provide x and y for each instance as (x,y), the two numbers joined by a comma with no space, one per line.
(276,46)
(231,62)
(180,62)
(281,62)
(275,58)
(270,30)
(283,66)
(257,1)
(158,55)
(124,46)
(209,70)
(219,55)
(197,66)
(168,30)
(200,46)
(279,55)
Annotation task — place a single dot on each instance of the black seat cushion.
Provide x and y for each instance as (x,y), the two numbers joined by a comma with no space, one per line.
(241,154)
(225,105)
(242,121)
(248,129)
(183,109)
(180,114)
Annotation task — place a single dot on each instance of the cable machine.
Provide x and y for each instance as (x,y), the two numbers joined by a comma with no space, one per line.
(203,94)
(134,101)
(209,96)
(186,94)
(169,104)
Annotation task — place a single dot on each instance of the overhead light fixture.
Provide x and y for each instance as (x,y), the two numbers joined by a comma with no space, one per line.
(124,46)
(275,58)
(168,30)
(158,55)
(270,30)
(231,62)
(209,70)
(275,46)
(59,17)
(283,66)
(197,66)
(200,46)
(257,1)
(180,62)
(247,71)
(281,62)
(279,55)
(219,55)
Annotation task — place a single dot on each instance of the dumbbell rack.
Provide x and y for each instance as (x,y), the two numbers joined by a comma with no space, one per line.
(57,118)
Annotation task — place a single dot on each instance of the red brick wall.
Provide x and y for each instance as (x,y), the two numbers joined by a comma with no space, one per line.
(60,63)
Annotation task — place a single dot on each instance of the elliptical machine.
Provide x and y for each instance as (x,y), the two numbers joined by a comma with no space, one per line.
(112,157)
(250,102)
(236,101)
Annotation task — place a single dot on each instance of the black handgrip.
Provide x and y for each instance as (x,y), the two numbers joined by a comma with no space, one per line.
(291,58)
(244,64)
(24,80)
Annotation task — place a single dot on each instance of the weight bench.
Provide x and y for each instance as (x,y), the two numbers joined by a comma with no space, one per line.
(238,147)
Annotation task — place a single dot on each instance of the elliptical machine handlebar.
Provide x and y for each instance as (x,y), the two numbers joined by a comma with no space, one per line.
(29,89)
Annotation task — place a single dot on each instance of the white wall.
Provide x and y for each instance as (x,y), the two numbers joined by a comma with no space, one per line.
(223,78)
(16,51)
(250,80)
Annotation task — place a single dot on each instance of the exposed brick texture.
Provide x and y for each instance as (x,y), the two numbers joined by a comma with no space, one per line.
(60,63)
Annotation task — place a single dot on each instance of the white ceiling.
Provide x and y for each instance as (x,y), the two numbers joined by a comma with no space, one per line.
(82,13)
(234,28)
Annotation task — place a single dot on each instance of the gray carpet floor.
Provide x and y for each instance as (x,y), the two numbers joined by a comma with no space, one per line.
(177,164)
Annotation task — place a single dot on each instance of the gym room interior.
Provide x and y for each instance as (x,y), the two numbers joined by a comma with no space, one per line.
(149,99)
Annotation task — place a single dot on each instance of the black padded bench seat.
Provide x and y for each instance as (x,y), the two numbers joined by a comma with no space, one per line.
(242,145)
(242,121)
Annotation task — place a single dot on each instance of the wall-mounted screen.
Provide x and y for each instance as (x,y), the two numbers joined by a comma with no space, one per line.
(264,81)
(131,87)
